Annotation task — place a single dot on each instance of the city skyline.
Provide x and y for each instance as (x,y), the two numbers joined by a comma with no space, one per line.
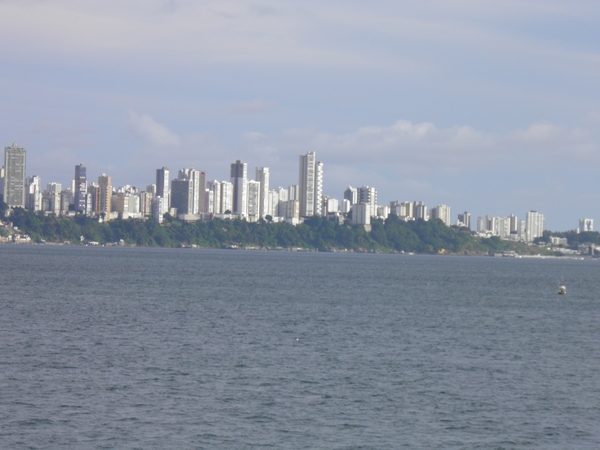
(491,107)
(191,197)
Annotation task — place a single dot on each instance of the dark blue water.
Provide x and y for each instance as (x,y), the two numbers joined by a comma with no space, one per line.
(152,349)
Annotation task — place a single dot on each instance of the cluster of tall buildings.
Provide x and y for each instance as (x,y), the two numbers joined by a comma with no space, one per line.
(191,196)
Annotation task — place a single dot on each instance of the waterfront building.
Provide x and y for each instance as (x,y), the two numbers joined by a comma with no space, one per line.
(283,195)
(273,203)
(351,194)
(146,203)
(80,201)
(383,211)
(214,205)
(51,198)
(407,210)
(226,197)
(126,205)
(254,200)
(290,209)
(159,208)
(332,205)
(585,225)
(481,225)
(464,220)
(441,212)
(345,207)
(197,180)
(514,224)
(262,176)
(361,214)
(420,211)
(535,224)
(368,196)
(239,181)
(182,195)
(209,200)
(33,196)
(293,192)
(163,185)
(501,227)
(310,185)
(14,176)
(66,199)
(105,196)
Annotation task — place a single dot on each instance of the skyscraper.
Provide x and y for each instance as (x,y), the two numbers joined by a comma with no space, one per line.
(535,224)
(585,225)
(262,176)
(441,212)
(214,187)
(202,197)
(239,179)
(14,176)
(182,195)
(351,194)
(254,200)
(33,196)
(80,189)
(465,220)
(226,197)
(105,196)
(163,186)
(368,196)
(310,180)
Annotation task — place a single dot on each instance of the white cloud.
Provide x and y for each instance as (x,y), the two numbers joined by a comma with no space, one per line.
(409,149)
(147,129)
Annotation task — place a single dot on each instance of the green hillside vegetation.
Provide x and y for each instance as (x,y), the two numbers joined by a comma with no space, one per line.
(393,235)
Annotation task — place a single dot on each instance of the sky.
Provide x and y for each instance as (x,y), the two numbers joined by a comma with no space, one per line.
(489,107)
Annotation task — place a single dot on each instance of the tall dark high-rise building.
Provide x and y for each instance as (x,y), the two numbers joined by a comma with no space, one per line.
(14,176)
(80,201)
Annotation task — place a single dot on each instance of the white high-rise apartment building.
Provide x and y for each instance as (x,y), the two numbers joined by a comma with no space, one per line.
(33,196)
(159,208)
(197,179)
(585,225)
(501,226)
(51,198)
(361,214)
(273,203)
(163,187)
(226,197)
(215,187)
(310,182)
(441,212)
(368,196)
(262,176)
(254,200)
(420,211)
(14,176)
(535,224)
(239,180)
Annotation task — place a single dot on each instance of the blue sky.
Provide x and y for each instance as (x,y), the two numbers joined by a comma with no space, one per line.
(491,107)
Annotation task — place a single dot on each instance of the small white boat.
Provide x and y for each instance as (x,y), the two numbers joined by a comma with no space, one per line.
(562,290)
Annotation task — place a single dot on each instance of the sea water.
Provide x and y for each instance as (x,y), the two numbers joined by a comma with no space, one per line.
(163,348)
